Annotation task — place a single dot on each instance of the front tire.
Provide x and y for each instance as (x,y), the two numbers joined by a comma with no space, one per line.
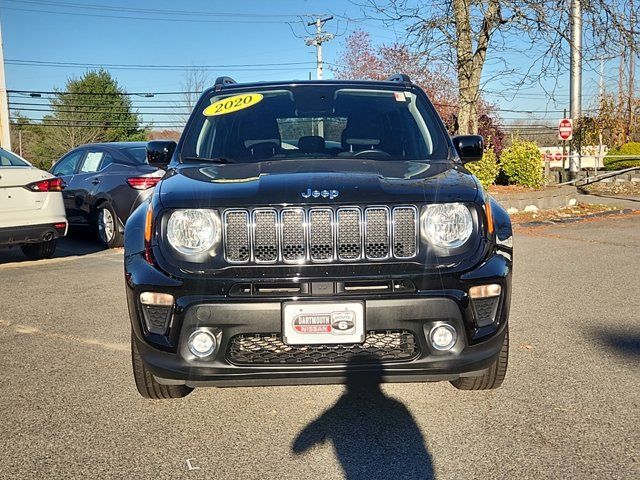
(38,251)
(147,386)
(106,223)
(493,377)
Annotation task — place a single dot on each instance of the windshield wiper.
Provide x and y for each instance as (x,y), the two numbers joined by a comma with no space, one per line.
(205,159)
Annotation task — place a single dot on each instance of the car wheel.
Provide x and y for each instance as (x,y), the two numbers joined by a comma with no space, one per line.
(37,251)
(147,386)
(493,377)
(107,223)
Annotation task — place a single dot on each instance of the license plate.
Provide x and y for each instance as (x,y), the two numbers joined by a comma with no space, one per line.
(313,323)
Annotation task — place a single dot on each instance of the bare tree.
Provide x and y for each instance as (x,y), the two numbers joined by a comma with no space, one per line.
(467,34)
(195,81)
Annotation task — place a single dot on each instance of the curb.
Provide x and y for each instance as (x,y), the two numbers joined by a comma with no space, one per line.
(547,198)
(579,218)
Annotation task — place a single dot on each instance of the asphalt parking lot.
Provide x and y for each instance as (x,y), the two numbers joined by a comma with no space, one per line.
(569,407)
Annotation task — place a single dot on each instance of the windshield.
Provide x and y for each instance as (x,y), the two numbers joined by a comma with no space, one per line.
(312,121)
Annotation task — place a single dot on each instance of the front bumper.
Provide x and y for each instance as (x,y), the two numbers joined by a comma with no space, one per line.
(438,299)
(32,233)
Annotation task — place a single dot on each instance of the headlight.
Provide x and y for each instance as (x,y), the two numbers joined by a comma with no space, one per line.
(193,231)
(447,225)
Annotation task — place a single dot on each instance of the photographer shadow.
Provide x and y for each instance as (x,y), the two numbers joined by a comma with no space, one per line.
(374,436)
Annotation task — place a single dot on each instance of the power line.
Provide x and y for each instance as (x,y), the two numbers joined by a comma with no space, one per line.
(123,66)
(149,104)
(85,111)
(157,19)
(81,105)
(154,11)
(97,94)
(85,124)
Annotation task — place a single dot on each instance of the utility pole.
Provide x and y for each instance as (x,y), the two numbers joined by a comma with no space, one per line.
(317,40)
(632,67)
(600,103)
(5,138)
(575,82)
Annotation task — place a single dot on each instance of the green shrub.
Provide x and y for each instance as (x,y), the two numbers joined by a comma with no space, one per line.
(486,170)
(521,164)
(618,163)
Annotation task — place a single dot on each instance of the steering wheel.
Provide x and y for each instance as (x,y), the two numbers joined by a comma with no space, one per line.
(373,152)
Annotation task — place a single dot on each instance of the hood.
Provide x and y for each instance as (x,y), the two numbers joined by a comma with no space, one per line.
(315,182)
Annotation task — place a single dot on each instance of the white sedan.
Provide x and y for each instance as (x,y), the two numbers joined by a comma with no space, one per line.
(32,212)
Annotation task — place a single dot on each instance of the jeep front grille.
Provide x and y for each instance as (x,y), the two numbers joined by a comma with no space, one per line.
(237,230)
(377,236)
(320,234)
(265,236)
(404,232)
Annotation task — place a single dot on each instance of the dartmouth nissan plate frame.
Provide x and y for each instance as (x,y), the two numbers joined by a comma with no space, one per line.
(322,323)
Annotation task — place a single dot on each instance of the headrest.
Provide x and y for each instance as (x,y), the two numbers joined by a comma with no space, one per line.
(256,129)
(363,130)
(311,144)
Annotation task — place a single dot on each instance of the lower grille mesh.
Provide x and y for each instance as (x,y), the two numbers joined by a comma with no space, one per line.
(382,345)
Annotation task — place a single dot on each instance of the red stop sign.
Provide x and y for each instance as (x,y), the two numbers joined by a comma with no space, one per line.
(565,129)
(557,156)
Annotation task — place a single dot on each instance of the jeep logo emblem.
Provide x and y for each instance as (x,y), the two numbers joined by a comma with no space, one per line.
(330,194)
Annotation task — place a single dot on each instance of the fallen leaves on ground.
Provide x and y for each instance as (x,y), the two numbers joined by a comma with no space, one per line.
(579,210)
(613,188)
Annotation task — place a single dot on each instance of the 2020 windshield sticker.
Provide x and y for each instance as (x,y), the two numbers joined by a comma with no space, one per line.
(232,104)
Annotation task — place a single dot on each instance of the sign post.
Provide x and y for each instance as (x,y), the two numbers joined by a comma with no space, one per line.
(565,133)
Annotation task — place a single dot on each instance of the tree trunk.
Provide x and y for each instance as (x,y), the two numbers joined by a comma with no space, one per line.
(465,104)
(469,94)
(470,61)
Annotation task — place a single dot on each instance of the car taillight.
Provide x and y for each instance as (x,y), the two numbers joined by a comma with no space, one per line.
(49,185)
(142,183)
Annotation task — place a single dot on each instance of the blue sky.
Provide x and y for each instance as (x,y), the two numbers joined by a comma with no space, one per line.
(255,32)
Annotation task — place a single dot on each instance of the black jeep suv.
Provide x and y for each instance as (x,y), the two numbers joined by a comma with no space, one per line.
(304,231)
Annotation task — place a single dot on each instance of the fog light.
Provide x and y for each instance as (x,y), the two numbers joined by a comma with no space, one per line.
(443,337)
(202,343)
(484,291)
(155,298)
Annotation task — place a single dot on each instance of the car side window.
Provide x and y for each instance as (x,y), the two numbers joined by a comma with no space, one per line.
(107,160)
(91,162)
(68,165)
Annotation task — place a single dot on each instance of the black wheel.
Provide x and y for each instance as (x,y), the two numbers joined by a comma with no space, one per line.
(37,251)
(108,230)
(147,385)
(494,377)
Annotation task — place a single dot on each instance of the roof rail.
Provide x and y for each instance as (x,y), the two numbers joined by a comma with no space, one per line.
(399,77)
(222,81)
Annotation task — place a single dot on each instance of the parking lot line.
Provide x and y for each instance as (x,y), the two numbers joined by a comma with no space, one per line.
(31,330)
(106,255)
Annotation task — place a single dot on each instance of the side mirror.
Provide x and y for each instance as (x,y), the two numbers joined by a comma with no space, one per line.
(469,147)
(159,153)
